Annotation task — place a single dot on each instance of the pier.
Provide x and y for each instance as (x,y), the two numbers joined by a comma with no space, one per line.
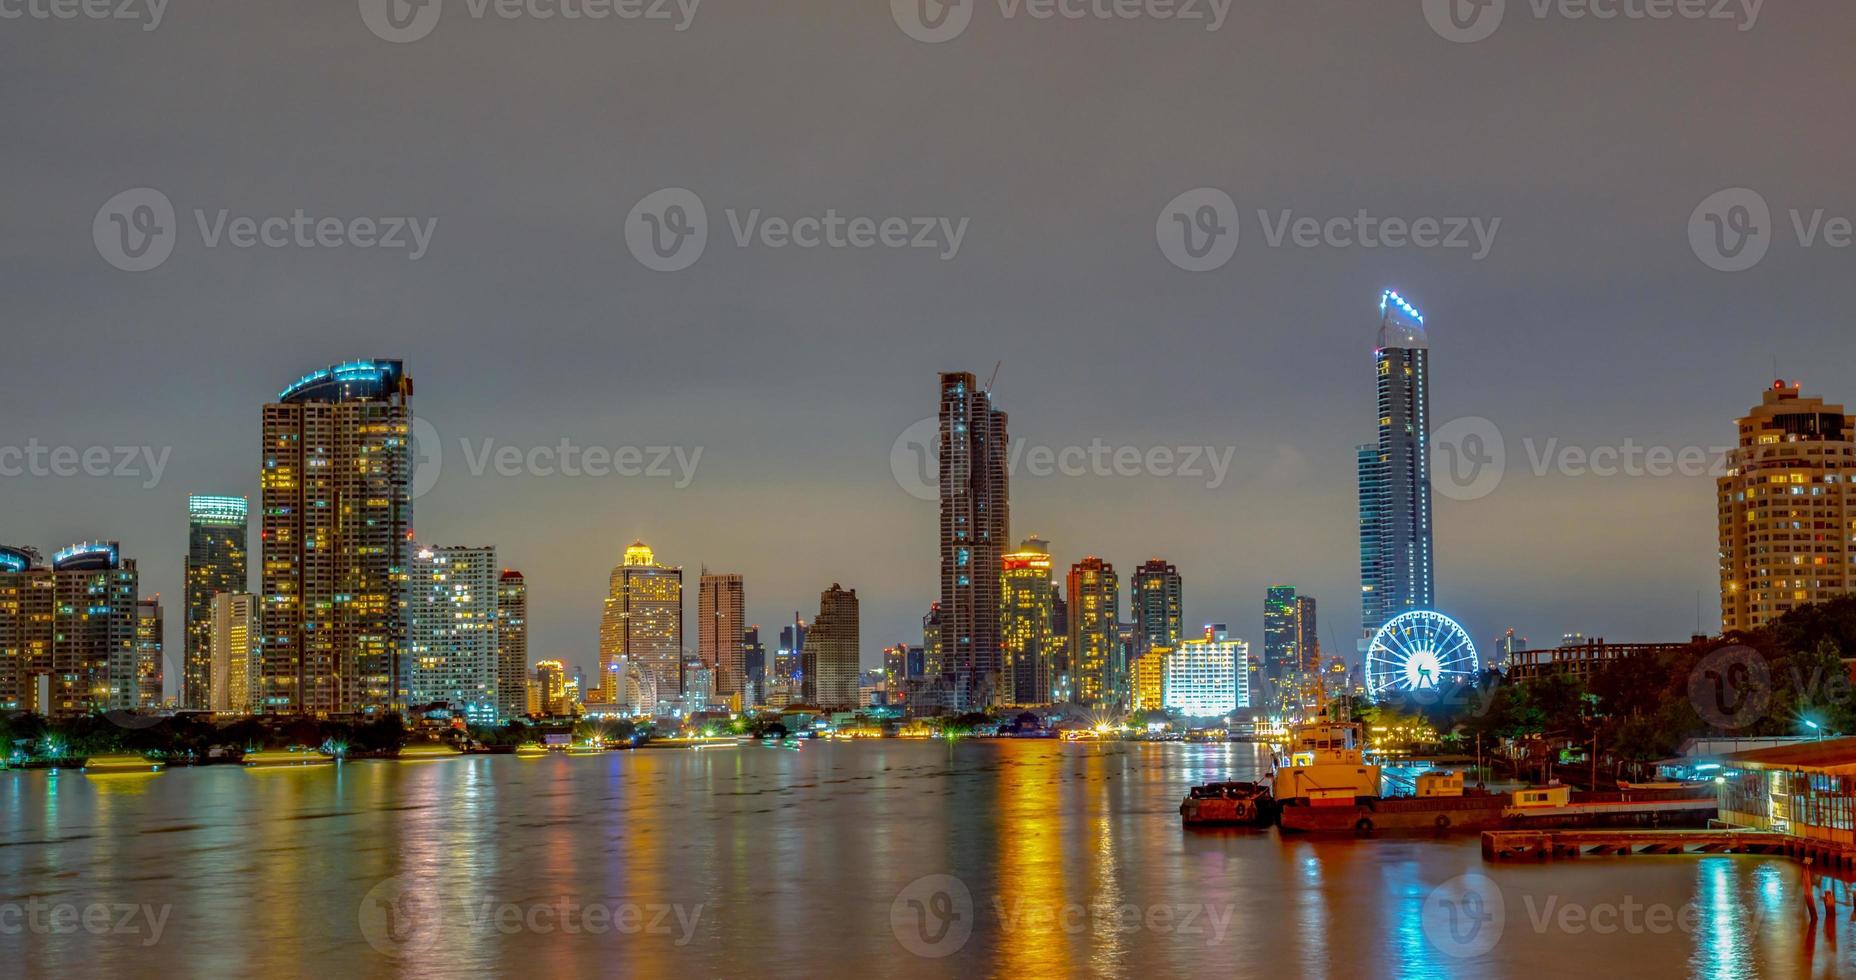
(1543,845)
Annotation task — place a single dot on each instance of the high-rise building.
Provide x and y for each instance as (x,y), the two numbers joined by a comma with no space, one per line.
(511,645)
(148,673)
(216,562)
(232,648)
(336,525)
(786,658)
(643,624)
(721,619)
(753,666)
(1147,680)
(1027,603)
(1094,596)
(1307,634)
(1397,571)
(69,632)
(1787,509)
(1156,596)
(1281,655)
(1205,676)
(1501,655)
(931,640)
(830,659)
(452,658)
(551,681)
(975,528)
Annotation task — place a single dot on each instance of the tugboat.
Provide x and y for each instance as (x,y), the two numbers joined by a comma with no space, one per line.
(1326,766)
(1228,805)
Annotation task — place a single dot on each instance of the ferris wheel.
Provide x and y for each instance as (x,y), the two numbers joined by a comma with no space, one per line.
(1419,651)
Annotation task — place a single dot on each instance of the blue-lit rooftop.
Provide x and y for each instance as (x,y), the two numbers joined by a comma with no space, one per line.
(350,380)
(88,556)
(231,511)
(1401,324)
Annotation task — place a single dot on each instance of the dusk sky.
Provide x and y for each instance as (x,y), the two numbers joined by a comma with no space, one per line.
(1592,319)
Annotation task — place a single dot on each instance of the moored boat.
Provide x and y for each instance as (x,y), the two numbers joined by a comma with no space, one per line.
(1230,804)
(104,765)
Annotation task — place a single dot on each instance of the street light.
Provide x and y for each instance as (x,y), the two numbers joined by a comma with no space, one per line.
(1812,725)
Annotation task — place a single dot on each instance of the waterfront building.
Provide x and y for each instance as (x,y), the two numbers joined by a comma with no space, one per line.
(232,650)
(216,562)
(551,682)
(1787,508)
(829,662)
(1156,596)
(721,619)
(931,641)
(1094,594)
(975,529)
(336,523)
(1281,655)
(643,624)
(1204,677)
(1307,634)
(453,649)
(753,667)
(148,674)
(511,645)
(1806,789)
(1027,596)
(1397,571)
(69,630)
(25,637)
(1147,680)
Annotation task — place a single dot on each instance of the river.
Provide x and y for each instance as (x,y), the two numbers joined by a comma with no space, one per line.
(880,858)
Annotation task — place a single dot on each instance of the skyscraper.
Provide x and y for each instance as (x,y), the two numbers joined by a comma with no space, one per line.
(786,658)
(1028,598)
(1094,594)
(721,619)
(643,625)
(1156,595)
(975,526)
(336,524)
(830,659)
(1787,509)
(148,674)
(69,632)
(216,562)
(1280,653)
(511,645)
(1307,634)
(551,680)
(753,667)
(453,650)
(1396,566)
(233,650)
(931,641)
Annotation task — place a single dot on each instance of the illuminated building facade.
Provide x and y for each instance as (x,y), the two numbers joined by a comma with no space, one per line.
(1156,596)
(217,559)
(1787,509)
(931,640)
(69,631)
(148,674)
(336,537)
(1027,597)
(551,682)
(721,621)
(26,591)
(1281,654)
(511,645)
(643,625)
(753,667)
(452,656)
(1205,676)
(975,528)
(1147,680)
(1094,598)
(232,647)
(1397,572)
(829,662)
(786,658)
(1308,634)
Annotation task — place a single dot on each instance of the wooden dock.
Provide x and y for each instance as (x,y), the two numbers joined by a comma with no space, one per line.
(1543,845)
